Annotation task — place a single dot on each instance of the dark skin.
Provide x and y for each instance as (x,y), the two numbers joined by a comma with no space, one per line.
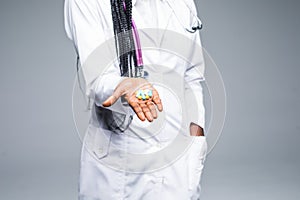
(144,109)
(196,130)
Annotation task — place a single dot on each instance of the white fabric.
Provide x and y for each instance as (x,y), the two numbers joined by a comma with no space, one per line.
(88,24)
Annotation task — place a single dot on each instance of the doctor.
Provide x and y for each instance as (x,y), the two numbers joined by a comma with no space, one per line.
(122,124)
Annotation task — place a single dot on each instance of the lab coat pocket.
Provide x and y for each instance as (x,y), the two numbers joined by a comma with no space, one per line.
(101,145)
(196,160)
(112,120)
(96,142)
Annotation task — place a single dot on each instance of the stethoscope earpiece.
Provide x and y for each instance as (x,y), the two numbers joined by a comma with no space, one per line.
(193,29)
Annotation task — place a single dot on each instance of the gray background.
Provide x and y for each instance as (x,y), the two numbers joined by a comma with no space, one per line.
(256,46)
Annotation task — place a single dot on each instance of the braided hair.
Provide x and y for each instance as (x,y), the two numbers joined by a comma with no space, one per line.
(122,24)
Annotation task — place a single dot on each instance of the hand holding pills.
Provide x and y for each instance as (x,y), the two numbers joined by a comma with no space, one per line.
(141,96)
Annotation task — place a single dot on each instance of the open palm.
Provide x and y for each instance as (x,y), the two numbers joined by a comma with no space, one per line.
(144,109)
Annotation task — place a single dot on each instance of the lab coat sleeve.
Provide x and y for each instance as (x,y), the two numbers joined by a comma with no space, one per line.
(85,28)
(194,75)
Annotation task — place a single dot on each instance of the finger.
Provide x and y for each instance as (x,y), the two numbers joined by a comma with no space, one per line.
(113,98)
(137,109)
(147,112)
(156,99)
(110,101)
(152,109)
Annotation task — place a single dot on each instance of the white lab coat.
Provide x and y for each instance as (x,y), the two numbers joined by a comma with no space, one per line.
(108,171)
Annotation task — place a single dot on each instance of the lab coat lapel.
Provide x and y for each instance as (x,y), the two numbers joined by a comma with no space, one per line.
(133,2)
(163,13)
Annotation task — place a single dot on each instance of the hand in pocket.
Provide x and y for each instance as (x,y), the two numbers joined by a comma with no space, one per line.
(196,130)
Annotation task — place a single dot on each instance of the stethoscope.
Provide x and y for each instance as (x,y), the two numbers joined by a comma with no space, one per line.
(193,28)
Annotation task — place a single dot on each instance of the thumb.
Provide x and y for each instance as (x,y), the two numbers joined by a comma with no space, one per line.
(113,98)
(110,101)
